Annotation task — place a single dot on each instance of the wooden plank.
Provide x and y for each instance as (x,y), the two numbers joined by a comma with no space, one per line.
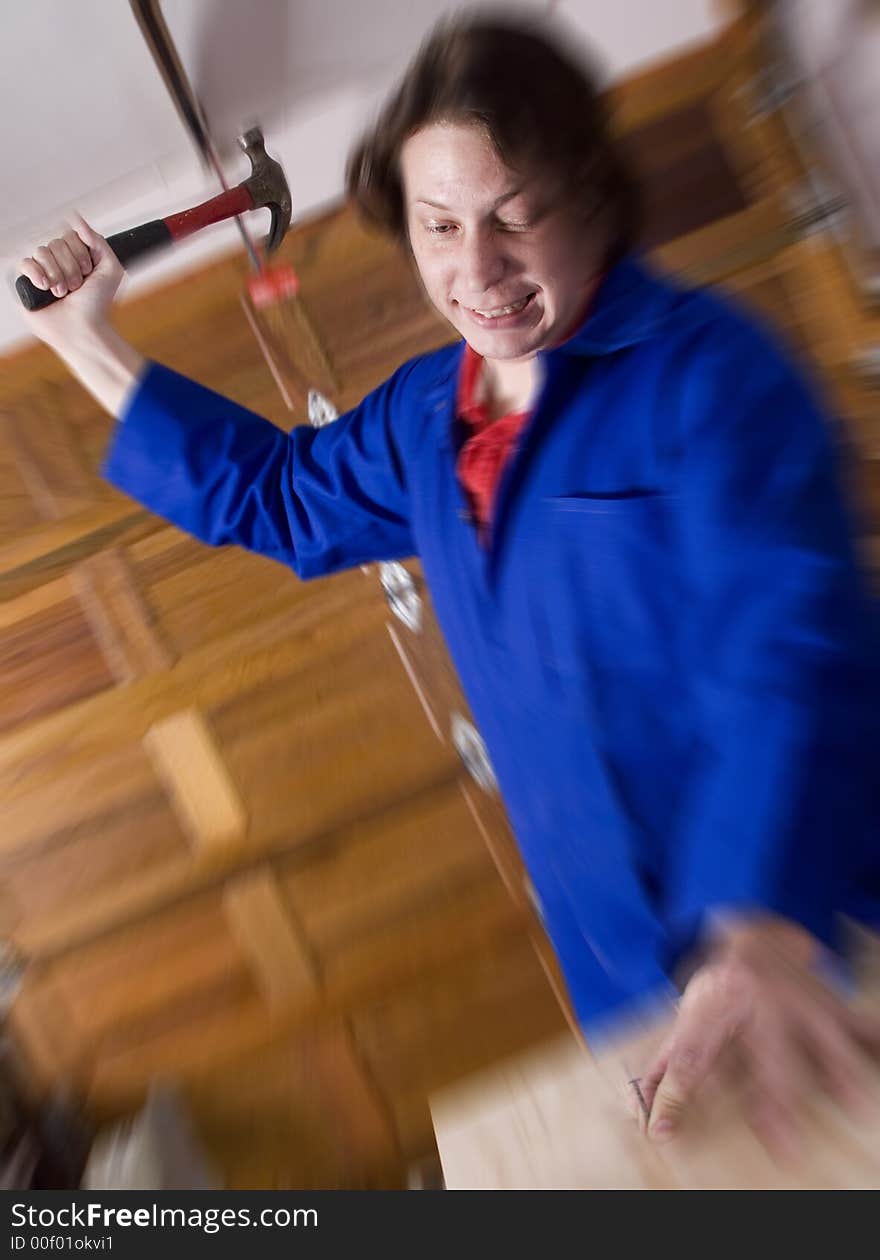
(384,870)
(47,454)
(443,1027)
(188,761)
(171,880)
(76,792)
(35,602)
(48,659)
(334,742)
(252,656)
(464,918)
(72,926)
(671,84)
(220,1024)
(151,972)
(120,617)
(685,176)
(727,246)
(557,1119)
(200,594)
(544,1120)
(304,1115)
(47,1040)
(39,554)
(69,879)
(269,936)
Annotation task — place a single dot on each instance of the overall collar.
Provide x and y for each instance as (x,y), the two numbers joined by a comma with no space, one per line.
(630,304)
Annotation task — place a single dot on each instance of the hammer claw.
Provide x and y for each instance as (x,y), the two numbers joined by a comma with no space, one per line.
(267,186)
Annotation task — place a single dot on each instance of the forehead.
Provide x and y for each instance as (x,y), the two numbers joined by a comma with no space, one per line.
(454,165)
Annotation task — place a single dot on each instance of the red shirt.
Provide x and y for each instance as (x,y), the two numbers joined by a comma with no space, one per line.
(491,443)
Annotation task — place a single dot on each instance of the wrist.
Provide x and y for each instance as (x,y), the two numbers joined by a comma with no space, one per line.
(755,938)
(99,345)
(105,363)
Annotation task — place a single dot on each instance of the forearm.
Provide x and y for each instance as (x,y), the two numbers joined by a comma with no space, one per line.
(107,365)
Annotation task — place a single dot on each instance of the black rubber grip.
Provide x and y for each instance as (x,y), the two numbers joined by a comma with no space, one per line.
(125,245)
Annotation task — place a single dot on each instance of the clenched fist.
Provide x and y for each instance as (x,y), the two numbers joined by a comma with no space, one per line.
(80,267)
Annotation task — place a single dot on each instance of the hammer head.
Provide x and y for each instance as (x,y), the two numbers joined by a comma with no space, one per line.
(268,186)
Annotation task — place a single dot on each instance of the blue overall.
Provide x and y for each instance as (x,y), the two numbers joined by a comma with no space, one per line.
(666,641)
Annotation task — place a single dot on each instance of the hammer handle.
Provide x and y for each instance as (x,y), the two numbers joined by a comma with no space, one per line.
(149,236)
(223,206)
(125,245)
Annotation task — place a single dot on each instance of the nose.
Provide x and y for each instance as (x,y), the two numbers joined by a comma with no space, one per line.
(484,264)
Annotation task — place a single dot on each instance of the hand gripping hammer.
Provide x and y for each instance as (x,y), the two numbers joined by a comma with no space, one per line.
(265,187)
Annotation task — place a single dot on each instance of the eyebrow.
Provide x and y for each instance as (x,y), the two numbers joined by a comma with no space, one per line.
(438,205)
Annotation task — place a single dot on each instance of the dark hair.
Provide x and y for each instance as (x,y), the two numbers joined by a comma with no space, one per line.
(540,106)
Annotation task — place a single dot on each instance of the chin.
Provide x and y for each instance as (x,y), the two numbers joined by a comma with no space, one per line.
(506,346)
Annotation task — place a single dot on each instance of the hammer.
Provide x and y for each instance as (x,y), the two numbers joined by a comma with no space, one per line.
(266,187)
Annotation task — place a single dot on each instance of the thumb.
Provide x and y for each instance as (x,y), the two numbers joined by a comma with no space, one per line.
(702,1030)
(97,244)
(714,1008)
(680,1081)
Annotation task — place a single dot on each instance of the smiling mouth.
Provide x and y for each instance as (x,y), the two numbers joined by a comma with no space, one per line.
(498,312)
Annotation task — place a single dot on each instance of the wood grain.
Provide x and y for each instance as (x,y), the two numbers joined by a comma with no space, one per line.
(189,763)
(268,935)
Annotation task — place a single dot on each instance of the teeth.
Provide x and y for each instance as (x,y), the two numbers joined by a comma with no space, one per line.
(504,310)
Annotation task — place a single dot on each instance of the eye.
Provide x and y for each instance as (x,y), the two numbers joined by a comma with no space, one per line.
(509,225)
(440,229)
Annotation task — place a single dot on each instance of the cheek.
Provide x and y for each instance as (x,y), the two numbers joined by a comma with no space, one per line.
(558,256)
(434,274)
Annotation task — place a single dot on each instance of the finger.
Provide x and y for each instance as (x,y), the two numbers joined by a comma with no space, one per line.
(79,249)
(45,256)
(776,1071)
(31,268)
(94,242)
(712,1012)
(690,1062)
(642,1046)
(70,268)
(866,1029)
(103,257)
(837,1059)
(724,1080)
(775,1125)
(650,1082)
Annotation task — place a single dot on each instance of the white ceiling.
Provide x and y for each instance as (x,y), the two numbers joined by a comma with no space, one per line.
(86,121)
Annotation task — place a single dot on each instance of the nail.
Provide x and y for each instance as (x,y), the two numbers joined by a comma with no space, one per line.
(643,1109)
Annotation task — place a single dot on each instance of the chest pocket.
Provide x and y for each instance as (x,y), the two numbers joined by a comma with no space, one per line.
(610,592)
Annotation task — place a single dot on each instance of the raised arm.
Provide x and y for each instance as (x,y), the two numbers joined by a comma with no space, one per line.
(316,500)
(80,267)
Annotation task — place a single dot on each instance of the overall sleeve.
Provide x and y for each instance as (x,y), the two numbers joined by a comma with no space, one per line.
(317,500)
(780,652)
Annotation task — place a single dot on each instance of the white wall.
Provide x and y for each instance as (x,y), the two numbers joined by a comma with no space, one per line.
(100,134)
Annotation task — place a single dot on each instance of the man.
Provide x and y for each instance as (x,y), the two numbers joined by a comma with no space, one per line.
(625,505)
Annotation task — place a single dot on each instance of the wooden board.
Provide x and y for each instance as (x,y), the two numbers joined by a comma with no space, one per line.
(557,1118)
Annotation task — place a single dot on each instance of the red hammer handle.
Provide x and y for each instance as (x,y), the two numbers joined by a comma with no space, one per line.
(138,241)
(224,206)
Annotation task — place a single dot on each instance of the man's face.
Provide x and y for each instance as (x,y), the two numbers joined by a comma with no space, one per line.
(510,268)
